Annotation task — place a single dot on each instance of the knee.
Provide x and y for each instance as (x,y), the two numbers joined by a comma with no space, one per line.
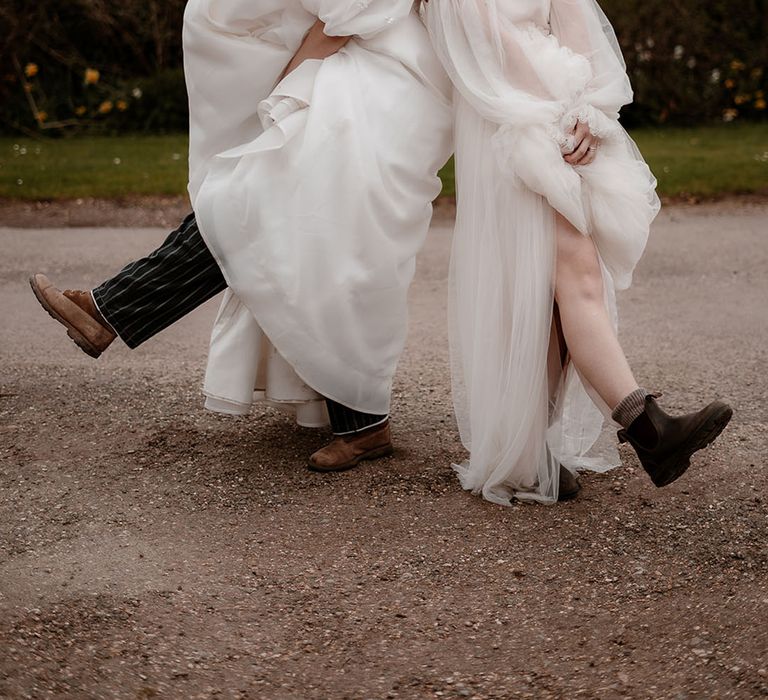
(578,274)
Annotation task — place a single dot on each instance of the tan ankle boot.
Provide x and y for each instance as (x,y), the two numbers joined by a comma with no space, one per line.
(347,451)
(76,311)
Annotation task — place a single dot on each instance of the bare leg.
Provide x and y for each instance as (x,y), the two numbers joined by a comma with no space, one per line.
(592,343)
(664,443)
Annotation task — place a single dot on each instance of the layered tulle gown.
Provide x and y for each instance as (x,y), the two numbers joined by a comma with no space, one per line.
(313,192)
(525,71)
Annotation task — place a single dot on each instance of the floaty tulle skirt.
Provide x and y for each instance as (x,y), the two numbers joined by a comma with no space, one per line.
(520,413)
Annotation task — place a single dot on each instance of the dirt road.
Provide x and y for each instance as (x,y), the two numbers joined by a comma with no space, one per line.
(151,549)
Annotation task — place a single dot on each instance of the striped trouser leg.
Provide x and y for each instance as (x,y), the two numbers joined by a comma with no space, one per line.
(345,420)
(151,294)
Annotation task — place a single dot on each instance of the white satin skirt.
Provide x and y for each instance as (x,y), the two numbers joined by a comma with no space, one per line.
(316,208)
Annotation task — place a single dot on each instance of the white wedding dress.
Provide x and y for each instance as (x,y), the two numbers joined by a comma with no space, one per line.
(314,194)
(525,71)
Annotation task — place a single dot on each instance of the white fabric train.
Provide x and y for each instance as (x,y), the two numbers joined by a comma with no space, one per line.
(524,72)
(314,195)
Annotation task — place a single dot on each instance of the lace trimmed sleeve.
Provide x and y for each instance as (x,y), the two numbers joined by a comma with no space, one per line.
(581,26)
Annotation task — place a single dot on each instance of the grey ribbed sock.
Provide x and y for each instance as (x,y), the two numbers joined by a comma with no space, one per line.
(630,408)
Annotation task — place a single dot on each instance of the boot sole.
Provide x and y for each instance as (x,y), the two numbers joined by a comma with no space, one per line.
(79,339)
(674,467)
(379,452)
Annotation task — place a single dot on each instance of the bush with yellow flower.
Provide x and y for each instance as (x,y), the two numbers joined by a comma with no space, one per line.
(118,66)
(95,101)
(68,67)
(693,61)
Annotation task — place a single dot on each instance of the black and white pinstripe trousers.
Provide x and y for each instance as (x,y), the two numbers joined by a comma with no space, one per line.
(152,293)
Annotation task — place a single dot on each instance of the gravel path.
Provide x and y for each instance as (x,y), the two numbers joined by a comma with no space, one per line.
(151,549)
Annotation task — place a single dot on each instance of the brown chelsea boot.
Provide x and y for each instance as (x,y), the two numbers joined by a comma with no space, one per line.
(75,310)
(347,451)
(665,444)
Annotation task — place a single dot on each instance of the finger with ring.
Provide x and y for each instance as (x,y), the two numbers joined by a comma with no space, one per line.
(579,153)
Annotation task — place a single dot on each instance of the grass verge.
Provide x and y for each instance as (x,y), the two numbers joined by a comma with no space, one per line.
(704,162)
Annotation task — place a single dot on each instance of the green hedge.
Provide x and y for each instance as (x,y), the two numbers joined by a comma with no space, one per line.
(694,61)
(93,65)
(101,66)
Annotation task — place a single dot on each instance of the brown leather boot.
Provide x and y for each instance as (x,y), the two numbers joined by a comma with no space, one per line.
(75,310)
(347,451)
(665,444)
(569,485)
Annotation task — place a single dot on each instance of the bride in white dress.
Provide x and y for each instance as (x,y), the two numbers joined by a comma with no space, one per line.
(312,181)
(554,208)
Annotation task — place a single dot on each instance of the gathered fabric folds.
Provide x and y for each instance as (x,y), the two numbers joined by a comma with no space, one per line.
(525,71)
(313,191)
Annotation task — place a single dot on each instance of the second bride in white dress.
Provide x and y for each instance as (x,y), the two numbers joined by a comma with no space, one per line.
(553,213)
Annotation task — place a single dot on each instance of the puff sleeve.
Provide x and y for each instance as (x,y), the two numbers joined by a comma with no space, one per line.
(363,18)
(581,27)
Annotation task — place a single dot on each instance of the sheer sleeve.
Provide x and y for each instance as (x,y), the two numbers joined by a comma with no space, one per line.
(492,63)
(363,18)
(516,75)
(581,26)
(520,72)
(532,75)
